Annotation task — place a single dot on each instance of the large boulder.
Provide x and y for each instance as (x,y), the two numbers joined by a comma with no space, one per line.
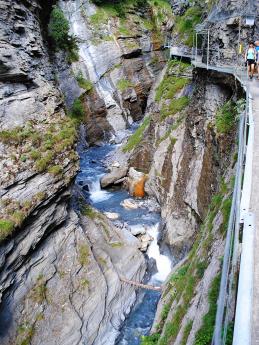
(136,183)
(113,176)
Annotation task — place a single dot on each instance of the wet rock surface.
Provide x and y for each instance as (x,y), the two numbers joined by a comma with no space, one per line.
(120,59)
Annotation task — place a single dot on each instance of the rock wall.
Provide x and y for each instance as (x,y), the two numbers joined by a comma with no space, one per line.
(56,266)
(184,157)
(50,274)
(121,56)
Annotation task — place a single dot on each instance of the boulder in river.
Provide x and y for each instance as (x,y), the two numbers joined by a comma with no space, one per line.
(138,230)
(113,176)
(145,242)
(136,183)
(129,204)
(112,215)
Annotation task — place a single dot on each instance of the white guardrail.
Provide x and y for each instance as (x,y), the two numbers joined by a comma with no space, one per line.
(244,304)
(240,218)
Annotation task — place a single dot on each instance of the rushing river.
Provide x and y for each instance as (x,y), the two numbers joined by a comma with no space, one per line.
(140,319)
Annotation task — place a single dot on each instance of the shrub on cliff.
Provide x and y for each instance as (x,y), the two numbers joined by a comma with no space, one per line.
(226,118)
(59,32)
(77,110)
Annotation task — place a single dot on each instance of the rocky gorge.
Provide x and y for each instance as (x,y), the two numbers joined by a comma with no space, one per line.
(108,110)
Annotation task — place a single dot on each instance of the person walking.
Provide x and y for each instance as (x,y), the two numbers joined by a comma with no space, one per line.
(257,58)
(250,58)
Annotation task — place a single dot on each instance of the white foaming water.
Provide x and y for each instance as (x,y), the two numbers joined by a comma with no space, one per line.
(96,193)
(163,263)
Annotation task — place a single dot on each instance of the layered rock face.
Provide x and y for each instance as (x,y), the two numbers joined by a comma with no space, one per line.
(186,158)
(120,56)
(60,272)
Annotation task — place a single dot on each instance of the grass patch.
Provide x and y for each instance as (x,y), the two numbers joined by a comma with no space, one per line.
(6,228)
(84,283)
(39,291)
(225,210)
(77,110)
(25,332)
(116,244)
(18,217)
(186,332)
(84,83)
(176,105)
(169,86)
(150,339)
(182,284)
(136,138)
(35,154)
(83,254)
(205,333)
(89,212)
(42,163)
(55,170)
(185,25)
(226,118)
(124,84)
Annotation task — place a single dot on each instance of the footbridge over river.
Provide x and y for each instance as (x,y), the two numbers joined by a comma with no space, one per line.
(239,297)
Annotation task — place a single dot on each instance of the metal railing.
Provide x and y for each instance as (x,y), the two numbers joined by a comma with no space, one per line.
(239,214)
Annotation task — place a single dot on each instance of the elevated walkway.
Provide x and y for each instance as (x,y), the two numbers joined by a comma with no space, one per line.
(244,216)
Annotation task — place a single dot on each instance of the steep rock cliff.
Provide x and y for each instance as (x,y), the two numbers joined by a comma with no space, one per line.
(120,54)
(52,259)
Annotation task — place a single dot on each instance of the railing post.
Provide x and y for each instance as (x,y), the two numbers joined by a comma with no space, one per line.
(196,47)
(208,50)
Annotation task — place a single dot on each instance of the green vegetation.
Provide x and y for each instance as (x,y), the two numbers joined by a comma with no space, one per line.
(226,118)
(45,143)
(84,83)
(39,291)
(59,32)
(89,212)
(166,93)
(40,196)
(55,170)
(169,87)
(83,254)
(116,244)
(18,217)
(175,106)
(186,332)
(181,288)
(42,163)
(136,138)
(124,84)
(25,334)
(35,154)
(77,110)
(151,339)
(225,210)
(205,333)
(84,283)
(6,228)
(185,24)
(172,127)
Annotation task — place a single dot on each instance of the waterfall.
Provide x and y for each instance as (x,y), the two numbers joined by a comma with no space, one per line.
(163,262)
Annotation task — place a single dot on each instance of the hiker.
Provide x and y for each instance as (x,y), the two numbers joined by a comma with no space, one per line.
(257,57)
(250,58)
